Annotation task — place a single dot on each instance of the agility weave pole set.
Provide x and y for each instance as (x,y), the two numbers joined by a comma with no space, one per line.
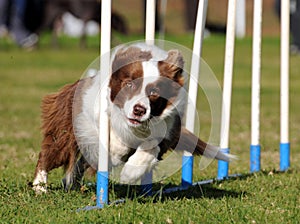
(187,161)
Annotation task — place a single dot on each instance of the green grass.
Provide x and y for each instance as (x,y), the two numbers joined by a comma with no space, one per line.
(265,197)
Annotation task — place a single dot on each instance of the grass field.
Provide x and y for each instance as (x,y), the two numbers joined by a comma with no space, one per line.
(268,196)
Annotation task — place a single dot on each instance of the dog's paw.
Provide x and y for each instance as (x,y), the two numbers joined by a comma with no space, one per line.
(39,189)
(131,174)
(140,162)
(40,182)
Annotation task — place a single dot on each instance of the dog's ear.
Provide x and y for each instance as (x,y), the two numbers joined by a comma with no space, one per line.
(125,56)
(172,66)
(174,59)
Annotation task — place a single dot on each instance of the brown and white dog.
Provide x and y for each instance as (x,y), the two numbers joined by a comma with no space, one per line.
(146,105)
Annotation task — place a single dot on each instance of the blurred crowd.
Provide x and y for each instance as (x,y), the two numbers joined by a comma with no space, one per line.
(294,22)
(12,20)
(23,19)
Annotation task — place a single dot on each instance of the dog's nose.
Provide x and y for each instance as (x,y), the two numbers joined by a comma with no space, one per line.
(139,110)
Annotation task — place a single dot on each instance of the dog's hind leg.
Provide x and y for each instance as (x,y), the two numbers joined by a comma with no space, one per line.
(59,146)
(45,164)
(74,177)
(51,156)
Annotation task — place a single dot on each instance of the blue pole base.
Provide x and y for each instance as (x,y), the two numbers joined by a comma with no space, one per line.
(254,158)
(146,182)
(223,167)
(284,156)
(187,171)
(102,189)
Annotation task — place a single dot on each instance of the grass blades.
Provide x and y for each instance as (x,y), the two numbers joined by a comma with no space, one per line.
(268,196)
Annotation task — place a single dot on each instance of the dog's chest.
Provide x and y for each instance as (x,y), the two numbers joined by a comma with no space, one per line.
(120,149)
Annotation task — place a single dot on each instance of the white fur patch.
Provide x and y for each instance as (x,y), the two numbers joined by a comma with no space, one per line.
(140,162)
(39,183)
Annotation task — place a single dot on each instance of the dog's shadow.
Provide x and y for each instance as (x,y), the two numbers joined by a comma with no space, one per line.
(201,191)
(159,193)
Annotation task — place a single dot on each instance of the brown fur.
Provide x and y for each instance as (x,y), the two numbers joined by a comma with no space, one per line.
(127,67)
(189,142)
(126,56)
(59,147)
(172,67)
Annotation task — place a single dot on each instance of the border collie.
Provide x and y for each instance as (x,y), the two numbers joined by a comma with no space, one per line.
(146,106)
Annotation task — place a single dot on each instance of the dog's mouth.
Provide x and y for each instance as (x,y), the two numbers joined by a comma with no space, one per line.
(134,122)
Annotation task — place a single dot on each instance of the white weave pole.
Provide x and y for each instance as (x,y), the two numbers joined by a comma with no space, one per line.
(240,19)
(150,21)
(146,180)
(102,173)
(284,86)
(255,94)
(227,86)
(187,163)
(195,66)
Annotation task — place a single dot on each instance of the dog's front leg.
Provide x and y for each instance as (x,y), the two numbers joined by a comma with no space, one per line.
(140,162)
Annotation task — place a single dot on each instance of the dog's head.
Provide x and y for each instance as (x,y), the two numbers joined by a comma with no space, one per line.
(144,84)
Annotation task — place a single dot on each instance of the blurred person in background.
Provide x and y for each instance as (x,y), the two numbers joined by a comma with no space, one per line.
(294,23)
(12,17)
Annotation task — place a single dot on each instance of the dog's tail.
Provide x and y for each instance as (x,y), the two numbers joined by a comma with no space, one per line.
(191,143)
